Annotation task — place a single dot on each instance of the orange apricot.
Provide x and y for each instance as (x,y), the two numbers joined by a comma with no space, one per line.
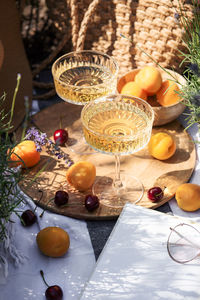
(24,154)
(149,79)
(81,175)
(53,241)
(162,146)
(130,76)
(188,196)
(168,93)
(131,88)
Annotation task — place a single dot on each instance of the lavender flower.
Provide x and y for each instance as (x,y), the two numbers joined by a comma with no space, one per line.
(40,139)
(38,148)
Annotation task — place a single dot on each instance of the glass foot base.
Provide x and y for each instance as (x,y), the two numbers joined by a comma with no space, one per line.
(132,190)
(79,146)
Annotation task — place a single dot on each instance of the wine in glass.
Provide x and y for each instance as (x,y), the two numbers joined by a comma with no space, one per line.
(81,77)
(118,125)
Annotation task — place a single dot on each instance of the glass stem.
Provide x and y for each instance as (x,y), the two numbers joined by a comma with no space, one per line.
(117,182)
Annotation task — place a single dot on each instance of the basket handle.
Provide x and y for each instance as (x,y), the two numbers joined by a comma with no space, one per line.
(74,22)
(84,24)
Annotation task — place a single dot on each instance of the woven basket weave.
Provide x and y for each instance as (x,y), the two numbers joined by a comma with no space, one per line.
(149,24)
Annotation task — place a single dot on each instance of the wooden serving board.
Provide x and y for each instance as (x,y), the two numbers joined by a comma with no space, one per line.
(152,172)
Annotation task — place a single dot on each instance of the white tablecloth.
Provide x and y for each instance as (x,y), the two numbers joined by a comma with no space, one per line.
(71,271)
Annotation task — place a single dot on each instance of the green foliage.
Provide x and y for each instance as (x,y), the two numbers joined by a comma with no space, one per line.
(191,38)
(9,177)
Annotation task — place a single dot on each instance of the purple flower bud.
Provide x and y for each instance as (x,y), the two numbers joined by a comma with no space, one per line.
(38,148)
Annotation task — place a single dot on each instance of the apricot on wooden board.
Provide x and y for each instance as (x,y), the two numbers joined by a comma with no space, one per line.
(81,175)
(188,196)
(24,154)
(161,146)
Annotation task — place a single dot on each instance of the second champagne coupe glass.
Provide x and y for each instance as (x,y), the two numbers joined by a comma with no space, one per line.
(117,125)
(81,77)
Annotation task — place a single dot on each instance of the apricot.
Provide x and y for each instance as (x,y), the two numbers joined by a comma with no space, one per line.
(81,175)
(188,196)
(149,79)
(131,88)
(53,241)
(161,146)
(24,154)
(168,93)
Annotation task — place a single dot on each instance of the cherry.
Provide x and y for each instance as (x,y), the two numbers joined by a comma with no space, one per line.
(61,198)
(53,292)
(91,202)
(28,217)
(155,194)
(60,136)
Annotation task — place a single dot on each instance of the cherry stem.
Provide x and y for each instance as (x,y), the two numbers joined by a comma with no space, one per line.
(40,191)
(60,121)
(158,194)
(42,274)
(42,213)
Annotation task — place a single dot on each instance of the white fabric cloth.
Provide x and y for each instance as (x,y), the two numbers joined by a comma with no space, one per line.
(70,272)
(135,264)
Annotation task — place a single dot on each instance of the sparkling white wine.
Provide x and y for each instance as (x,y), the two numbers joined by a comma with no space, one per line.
(120,129)
(82,84)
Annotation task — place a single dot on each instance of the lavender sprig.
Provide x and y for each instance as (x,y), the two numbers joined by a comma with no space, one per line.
(41,140)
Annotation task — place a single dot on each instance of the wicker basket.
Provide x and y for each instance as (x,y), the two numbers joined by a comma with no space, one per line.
(149,25)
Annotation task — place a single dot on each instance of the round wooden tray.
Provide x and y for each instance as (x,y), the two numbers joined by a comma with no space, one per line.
(152,172)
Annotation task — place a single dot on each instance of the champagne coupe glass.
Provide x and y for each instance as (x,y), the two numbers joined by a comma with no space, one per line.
(81,77)
(118,125)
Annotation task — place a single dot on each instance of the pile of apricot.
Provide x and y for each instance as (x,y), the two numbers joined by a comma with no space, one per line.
(148,82)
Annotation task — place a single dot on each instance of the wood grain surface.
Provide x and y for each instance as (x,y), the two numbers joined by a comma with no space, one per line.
(168,174)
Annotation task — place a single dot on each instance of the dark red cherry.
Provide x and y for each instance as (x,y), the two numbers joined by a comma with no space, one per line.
(28,217)
(155,194)
(54,292)
(60,136)
(61,198)
(91,202)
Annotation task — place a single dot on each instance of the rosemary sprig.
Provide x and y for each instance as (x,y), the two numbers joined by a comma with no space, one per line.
(191,57)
